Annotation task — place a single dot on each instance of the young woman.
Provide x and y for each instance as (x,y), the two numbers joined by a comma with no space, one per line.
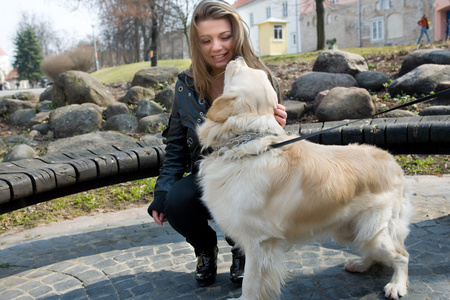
(217,35)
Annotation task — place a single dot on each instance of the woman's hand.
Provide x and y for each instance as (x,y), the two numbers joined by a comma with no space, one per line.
(280,114)
(159,217)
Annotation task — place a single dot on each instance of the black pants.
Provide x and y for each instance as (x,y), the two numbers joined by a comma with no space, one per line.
(188,215)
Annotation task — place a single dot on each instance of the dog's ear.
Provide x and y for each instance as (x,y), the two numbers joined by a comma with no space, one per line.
(221,109)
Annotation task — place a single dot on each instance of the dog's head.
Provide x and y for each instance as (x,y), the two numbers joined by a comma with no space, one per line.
(247,104)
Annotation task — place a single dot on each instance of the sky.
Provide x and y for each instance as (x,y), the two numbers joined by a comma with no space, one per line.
(76,25)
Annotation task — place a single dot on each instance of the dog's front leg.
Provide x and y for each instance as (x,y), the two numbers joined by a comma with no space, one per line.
(264,271)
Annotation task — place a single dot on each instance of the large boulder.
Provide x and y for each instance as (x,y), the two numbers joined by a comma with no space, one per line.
(121,123)
(307,86)
(165,97)
(150,77)
(337,61)
(422,57)
(345,103)
(420,81)
(74,119)
(9,106)
(136,94)
(371,80)
(76,87)
(91,141)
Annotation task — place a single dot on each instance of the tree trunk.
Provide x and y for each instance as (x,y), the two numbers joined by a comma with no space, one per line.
(154,35)
(320,11)
(137,40)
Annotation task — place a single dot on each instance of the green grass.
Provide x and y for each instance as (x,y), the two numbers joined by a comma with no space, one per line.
(111,198)
(126,72)
(309,57)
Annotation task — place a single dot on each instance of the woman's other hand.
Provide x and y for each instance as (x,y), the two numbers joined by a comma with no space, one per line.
(280,114)
(159,217)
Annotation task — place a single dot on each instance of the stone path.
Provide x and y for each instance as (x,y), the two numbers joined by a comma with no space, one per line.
(124,255)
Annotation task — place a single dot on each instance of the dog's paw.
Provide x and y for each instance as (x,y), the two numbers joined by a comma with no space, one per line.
(394,291)
(356,266)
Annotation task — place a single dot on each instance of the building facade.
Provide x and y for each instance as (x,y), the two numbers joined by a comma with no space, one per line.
(353,23)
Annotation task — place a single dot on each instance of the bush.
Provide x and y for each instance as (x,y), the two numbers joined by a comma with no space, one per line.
(79,59)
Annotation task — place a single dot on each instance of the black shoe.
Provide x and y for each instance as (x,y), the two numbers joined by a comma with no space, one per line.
(206,271)
(237,267)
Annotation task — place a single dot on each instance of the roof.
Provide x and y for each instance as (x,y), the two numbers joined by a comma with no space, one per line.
(273,20)
(240,3)
(3,53)
(12,75)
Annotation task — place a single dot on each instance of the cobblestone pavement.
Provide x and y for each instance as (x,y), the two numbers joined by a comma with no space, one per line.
(124,255)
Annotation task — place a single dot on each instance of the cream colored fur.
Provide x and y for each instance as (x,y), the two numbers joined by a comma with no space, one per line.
(268,200)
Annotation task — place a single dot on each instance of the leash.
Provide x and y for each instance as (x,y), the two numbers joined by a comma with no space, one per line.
(304,137)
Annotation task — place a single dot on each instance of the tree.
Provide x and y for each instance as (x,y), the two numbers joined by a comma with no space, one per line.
(28,56)
(320,13)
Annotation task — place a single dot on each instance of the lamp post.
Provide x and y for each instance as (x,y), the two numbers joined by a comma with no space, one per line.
(95,49)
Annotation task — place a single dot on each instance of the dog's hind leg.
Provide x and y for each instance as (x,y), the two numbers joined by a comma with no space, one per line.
(382,248)
(264,271)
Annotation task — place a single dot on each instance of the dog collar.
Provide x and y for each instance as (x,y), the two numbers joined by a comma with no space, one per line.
(241,139)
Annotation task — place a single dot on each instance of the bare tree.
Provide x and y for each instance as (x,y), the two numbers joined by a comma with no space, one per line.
(50,40)
(320,14)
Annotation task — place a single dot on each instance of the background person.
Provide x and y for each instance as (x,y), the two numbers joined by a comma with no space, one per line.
(217,35)
(423,23)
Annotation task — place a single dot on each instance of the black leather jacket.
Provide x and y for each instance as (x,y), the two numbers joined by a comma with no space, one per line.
(183,146)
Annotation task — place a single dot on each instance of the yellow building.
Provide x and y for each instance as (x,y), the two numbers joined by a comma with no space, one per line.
(272,37)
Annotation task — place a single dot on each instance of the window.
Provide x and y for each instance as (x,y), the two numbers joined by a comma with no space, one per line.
(252,22)
(383,4)
(285,9)
(294,39)
(278,32)
(377,30)
(268,12)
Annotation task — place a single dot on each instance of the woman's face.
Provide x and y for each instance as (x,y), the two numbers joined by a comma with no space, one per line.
(216,41)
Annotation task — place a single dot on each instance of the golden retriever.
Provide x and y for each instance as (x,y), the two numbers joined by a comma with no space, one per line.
(267,199)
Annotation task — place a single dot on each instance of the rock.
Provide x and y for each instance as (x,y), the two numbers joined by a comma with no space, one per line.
(91,141)
(19,152)
(372,80)
(435,110)
(307,86)
(165,97)
(153,124)
(337,61)
(150,77)
(345,103)
(76,87)
(43,128)
(74,119)
(25,96)
(441,100)
(400,113)
(294,109)
(9,106)
(148,108)
(136,94)
(45,105)
(421,81)
(21,117)
(424,56)
(121,123)
(153,139)
(116,108)
(46,95)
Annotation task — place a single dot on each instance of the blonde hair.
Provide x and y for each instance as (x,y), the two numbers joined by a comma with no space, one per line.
(201,70)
